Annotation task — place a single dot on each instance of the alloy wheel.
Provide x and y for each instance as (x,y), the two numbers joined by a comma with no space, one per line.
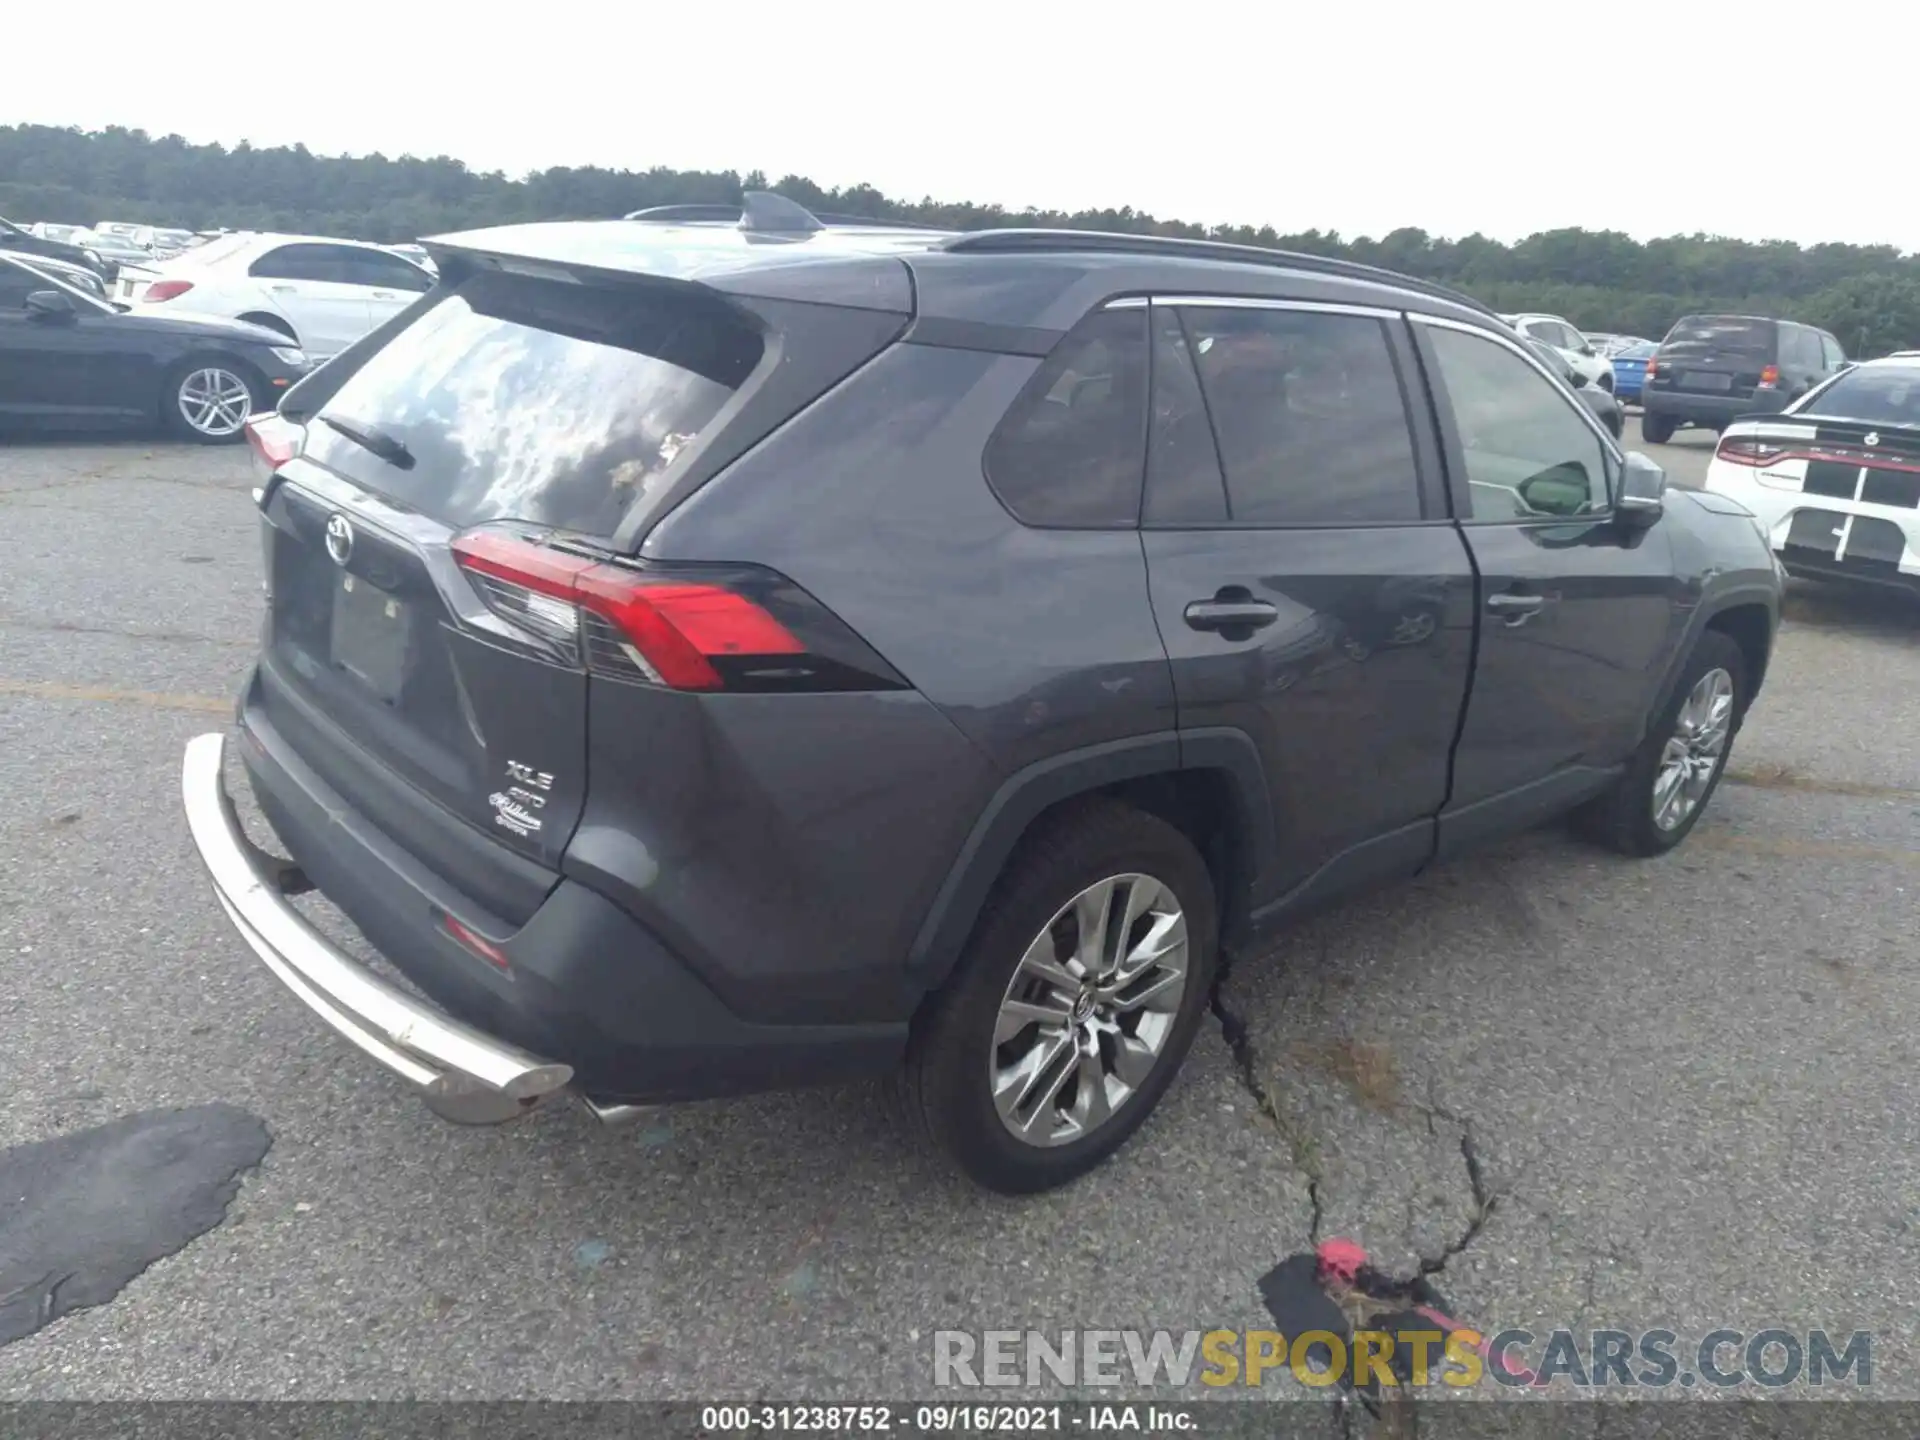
(1693,753)
(1089,1010)
(215,402)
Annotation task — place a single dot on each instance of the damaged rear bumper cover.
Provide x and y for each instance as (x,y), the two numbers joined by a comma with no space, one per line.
(463,1074)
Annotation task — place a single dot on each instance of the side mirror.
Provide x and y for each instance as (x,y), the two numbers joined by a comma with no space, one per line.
(49,305)
(1643,490)
(1587,349)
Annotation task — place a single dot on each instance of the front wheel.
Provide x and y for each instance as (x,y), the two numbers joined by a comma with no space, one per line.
(208,401)
(1074,1005)
(1657,802)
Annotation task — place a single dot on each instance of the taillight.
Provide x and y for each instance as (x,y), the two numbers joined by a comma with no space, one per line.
(1746,451)
(1769,377)
(165,290)
(1653,368)
(272,442)
(686,628)
(474,941)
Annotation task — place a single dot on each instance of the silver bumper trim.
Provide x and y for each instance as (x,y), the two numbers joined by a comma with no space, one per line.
(464,1073)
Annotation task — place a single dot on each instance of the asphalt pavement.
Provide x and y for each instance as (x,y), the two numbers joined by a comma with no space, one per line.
(1584,1091)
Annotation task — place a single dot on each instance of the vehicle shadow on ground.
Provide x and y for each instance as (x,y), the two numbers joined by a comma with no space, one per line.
(1865,609)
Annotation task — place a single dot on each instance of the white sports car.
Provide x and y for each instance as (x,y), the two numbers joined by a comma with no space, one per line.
(1834,479)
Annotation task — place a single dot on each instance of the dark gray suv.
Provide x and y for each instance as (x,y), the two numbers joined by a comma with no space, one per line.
(705,657)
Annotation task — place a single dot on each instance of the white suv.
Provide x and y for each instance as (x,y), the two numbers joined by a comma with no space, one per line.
(1552,330)
(322,294)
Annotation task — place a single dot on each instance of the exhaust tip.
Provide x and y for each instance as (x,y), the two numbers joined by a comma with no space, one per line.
(614,1113)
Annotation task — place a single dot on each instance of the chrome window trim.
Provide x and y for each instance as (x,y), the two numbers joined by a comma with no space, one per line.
(1275,302)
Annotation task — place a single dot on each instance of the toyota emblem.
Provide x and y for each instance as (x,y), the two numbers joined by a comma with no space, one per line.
(339,539)
(1872,439)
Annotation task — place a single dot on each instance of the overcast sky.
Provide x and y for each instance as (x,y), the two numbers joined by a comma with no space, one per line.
(1750,119)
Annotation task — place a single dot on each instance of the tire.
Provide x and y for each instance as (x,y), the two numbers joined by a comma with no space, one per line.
(954,1056)
(209,385)
(1623,818)
(1656,429)
(274,323)
(1605,382)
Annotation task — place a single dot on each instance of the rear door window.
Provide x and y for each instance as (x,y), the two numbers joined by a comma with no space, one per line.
(1308,414)
(553,403)
(1069,451)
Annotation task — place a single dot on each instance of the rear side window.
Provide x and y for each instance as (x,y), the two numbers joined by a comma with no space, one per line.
(536,400)
(1721,335)
(383,271)
(1878,394)
(1307,409)
(1801,347)
(1069,452)
(16,283)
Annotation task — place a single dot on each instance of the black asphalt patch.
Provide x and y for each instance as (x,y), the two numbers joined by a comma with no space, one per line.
(82,1214)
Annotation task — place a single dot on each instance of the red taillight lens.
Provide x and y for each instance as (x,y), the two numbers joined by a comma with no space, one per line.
(477,943)
(165,290)
(1769,377)
(1749,452)
(272,442)
(670,629)
(1653,367)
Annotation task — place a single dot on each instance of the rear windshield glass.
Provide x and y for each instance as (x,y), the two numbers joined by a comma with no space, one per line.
(1883,394)
(1721,335)
(537,400)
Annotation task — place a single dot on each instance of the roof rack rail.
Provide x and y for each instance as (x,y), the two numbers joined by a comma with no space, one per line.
(762,210)
(986,242)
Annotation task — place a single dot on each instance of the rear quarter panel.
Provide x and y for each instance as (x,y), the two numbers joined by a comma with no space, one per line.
(1020,644)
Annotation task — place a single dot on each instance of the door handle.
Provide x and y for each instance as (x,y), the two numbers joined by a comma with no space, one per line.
(281,289)
(383,294)
(1226,612)
(1515,607)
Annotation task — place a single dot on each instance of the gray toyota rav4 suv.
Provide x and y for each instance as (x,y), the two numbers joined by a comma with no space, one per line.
(705,656)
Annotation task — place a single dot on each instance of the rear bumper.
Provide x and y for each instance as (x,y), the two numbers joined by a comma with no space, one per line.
(451,1063)
(1708,409)
(590,1000)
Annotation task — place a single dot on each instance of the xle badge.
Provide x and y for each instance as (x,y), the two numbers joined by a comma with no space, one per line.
(518,806)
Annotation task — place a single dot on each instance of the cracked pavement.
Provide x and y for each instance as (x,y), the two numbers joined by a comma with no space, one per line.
(1573,1089)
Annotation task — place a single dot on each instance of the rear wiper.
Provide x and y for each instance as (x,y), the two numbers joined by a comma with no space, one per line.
(387,446)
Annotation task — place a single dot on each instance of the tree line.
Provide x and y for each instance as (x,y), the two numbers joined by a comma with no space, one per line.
(1867,295)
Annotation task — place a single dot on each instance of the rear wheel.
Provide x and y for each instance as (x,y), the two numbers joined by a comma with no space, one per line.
(1655,429)
(208,400)
(1656,803)
(1074,1005)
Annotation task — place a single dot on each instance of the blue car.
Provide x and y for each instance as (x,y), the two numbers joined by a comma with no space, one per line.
(1630,368)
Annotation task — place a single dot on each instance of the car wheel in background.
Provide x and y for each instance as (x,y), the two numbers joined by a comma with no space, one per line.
(208,400)
(1077,998)
(1655,429)
(1656,803)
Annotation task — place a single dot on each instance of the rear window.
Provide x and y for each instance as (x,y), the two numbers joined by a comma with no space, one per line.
(1721,335)
(542,401)
(1883,395)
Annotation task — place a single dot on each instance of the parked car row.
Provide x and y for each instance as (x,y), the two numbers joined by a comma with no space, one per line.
(70,359)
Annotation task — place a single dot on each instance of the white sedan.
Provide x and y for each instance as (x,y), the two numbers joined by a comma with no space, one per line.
(1834,479)
(1574,347)
(322,294)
